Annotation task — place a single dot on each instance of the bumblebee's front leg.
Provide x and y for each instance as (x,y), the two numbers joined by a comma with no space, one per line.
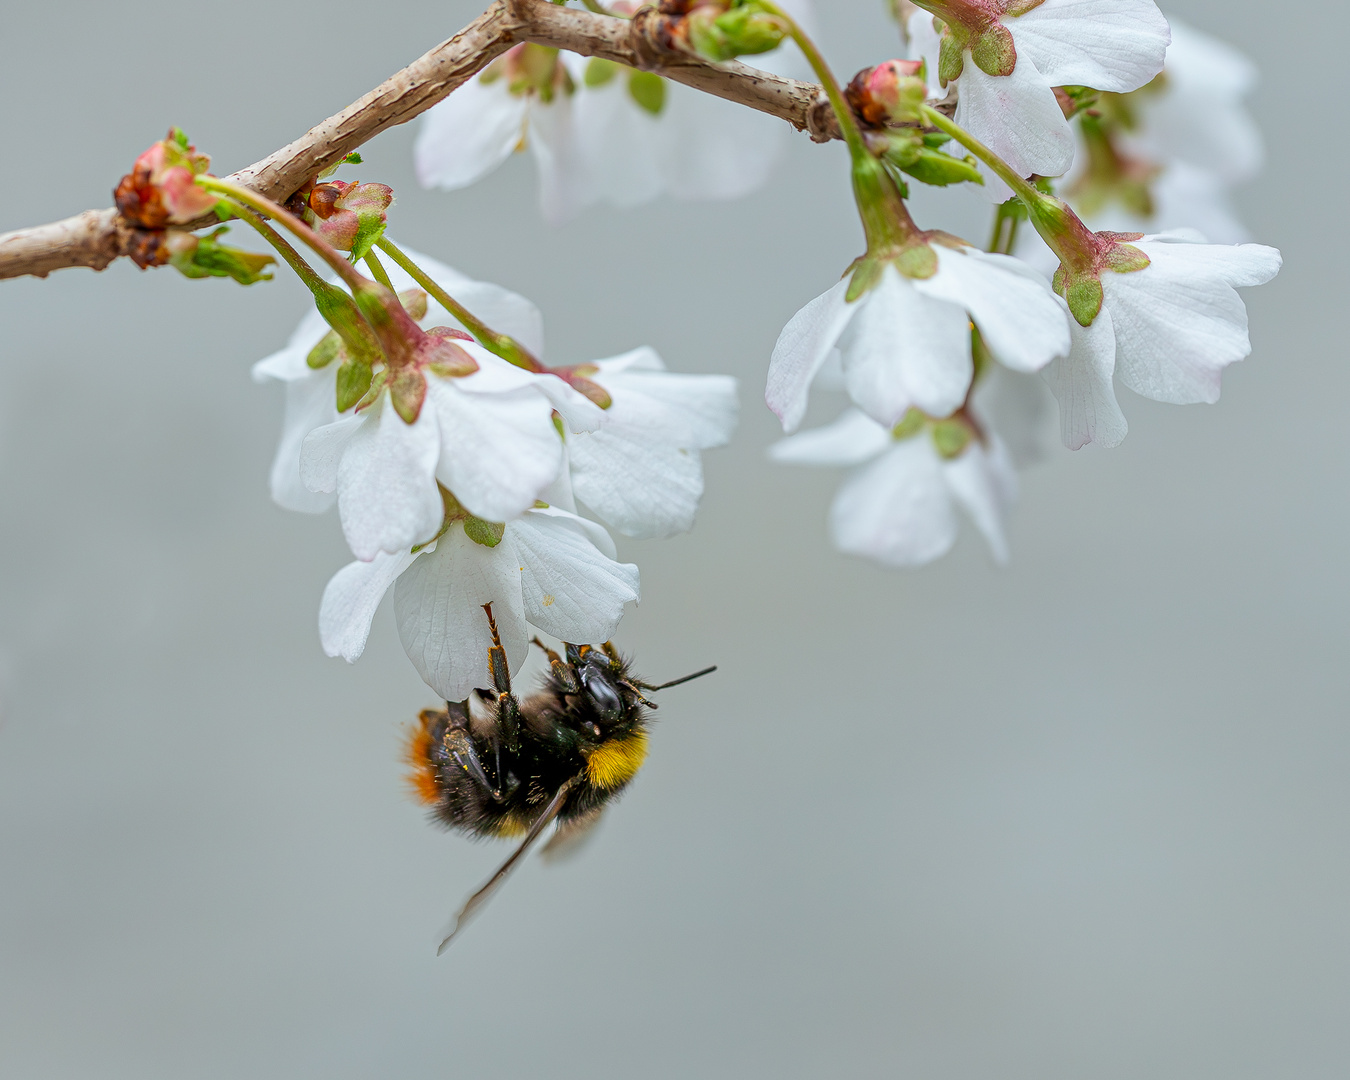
(460,748)
(508,709)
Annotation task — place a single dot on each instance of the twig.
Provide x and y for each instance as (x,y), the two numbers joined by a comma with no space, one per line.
(96,237)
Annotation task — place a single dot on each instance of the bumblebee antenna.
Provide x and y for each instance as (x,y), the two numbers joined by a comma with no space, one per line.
(676,682)
(483,895)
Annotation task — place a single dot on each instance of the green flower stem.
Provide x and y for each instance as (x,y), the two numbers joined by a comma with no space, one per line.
(1021,188)
(1006,221)
(302,269)
(377,270)
(501,345)
(263,205)
(848,124)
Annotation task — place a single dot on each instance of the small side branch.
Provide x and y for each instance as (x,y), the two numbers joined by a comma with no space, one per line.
(96,237)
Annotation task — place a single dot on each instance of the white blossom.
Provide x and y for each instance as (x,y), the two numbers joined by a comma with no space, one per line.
(898,504)
(906,342)
(641,471)
(599,138)
(550,569)
(1167,330)
(488,437)
(1112,45)
(311,394)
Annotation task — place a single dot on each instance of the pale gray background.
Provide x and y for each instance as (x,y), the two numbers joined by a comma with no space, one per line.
(1083,817)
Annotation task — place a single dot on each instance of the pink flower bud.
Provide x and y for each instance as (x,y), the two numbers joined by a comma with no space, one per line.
(159,190)
(889,93)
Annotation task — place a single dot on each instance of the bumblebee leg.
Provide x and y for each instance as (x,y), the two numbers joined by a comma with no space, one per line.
(563,672)
(462,752)
(483,895)
(612,653)
(508,709)
(553,657)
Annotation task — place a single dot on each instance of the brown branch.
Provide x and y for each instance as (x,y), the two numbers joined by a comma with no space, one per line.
(96,237)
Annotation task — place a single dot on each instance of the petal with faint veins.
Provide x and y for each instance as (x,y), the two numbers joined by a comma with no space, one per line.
(852,439)
(1018,117)
(310,404)
(984,484)
(905,348)
(1115,45)
(642,487)
(350,600)
(470,133)
(801,349)
(1082,384)
(897,509)
(387,494)
(498,451)
(438,603)
(571,589)
(321,453)
(1011,304)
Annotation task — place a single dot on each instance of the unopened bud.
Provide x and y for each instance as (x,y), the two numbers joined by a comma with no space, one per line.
(890,93)
(159,190)
(721,34)
(204,256)
(351,216)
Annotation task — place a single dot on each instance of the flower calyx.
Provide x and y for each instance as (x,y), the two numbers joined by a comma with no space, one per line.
(159,191)
(358,353)
(531,71)
(578,377)
(730,28)
(951,435)
(486,533)
(350,215)
(1083,256)
(409,351)
(977,26)
(197,256)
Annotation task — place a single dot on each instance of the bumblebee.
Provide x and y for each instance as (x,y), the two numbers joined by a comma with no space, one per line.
(516,766)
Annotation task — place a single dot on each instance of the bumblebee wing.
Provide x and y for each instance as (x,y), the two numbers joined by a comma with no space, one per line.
(483,895)
(570,837)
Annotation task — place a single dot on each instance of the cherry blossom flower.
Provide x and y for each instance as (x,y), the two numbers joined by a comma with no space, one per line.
(311,391)
(906,342)
(641,471)
(601,132)
(1006,56)
(898,504)
(548,568)
(1168,328)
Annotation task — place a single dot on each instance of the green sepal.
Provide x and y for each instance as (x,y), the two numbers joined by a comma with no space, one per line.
(917,260)
(935,139)
(353,383)
(376,388)
(487,533)
(866,277)
(994,52)
(592,390)
(600,71)
(1082,293)
(407,392)
(648,90)
(909,425)
(325,352)
(951,437)
(414,302)
(951,61)
(369,229)
(340,312)
(938,169)
(558,425)
(1125,259)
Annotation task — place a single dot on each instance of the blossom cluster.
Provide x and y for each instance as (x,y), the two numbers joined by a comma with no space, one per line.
(471,498)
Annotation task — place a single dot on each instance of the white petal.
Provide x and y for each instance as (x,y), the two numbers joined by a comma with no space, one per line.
(1081,383)
(1179,322)
(387,495)
(984,483)
(470,133)
(710,148)
(1011,304)
(852,439)
(898,509)
(321,453)
(310,404)
(1018,117)
(925,45)
(439,602)
(579,412)
(571,589)
(689,411)
(350,600)
(498,451)
(618,140)
(904,348)
(641,487)
(1115,45)
(565,187)
(802,347)
(643,358)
